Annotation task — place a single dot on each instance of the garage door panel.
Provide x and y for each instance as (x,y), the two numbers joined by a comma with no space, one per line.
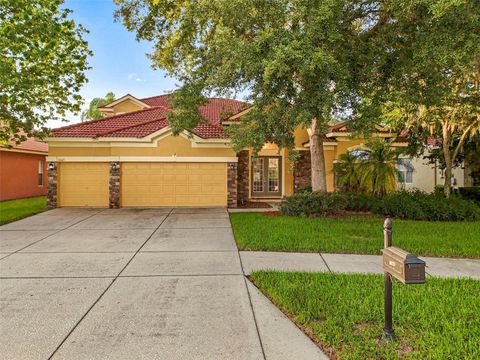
(83,184)
(174,184)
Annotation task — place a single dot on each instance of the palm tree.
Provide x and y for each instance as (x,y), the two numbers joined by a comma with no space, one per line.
(378,172)
(347,172)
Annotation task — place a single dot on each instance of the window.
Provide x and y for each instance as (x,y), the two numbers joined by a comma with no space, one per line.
(40,173)
(405,170)
(360,154)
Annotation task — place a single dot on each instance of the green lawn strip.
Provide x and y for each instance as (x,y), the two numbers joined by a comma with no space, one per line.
(343,313)
(12,210)
(358,235)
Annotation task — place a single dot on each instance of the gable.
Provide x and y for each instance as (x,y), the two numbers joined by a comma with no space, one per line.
(125,106)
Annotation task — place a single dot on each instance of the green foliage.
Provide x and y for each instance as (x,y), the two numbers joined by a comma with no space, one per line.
(297,62)
(373,174)
(347,172)
(432,83)
(304,190)
(92,112)
(43,58)
(439,190)
(412,205)
(312,204)
(416,205)
(344,314)
(470,193)
(378,173)
(361,202)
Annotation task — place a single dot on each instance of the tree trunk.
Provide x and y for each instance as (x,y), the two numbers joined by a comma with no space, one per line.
(448,163)
(319,179)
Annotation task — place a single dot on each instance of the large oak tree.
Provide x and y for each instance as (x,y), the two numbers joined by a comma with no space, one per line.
(43,57)
(305,62)
(432,86)
(296,60)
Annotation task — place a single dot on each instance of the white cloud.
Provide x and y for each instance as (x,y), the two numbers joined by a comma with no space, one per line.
(134,76)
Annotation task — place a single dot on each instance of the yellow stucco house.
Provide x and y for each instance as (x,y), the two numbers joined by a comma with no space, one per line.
(131,158)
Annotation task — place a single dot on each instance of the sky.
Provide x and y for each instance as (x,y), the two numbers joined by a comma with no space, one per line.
(119,62)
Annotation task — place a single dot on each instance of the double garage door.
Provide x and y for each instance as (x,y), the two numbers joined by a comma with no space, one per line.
(145,184)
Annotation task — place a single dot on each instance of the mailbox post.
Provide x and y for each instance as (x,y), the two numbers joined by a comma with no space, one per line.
(406,267)
(388,333)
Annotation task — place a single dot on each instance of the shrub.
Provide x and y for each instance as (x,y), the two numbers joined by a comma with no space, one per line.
(439,190)
(417,205)
(315,203)
(411,205)
(470,193)
(304,190)
(361,202)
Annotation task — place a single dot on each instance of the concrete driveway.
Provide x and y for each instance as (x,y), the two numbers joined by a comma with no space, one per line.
(134,284)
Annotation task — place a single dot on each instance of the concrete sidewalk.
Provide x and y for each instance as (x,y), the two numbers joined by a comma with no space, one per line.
(348,263)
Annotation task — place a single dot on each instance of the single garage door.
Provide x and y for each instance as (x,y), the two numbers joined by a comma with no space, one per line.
(174,184)
(83,184)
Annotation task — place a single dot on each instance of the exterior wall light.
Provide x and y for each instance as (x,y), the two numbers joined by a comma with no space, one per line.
(51,166)
(115,165)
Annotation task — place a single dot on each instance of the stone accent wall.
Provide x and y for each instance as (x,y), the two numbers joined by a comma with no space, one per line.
(232,184)
(243,175)
(52,170)
(302,175)
(114,185)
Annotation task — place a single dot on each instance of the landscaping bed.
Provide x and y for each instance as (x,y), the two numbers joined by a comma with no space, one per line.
(343,314)
(12,210)
(354,235)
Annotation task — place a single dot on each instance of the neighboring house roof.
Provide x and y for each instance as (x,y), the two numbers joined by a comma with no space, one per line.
(342,127)
(144,122)
(30,145)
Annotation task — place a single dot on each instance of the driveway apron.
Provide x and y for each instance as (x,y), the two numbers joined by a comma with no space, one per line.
(125,284)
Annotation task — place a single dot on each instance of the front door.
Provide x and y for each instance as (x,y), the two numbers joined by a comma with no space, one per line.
(266,176)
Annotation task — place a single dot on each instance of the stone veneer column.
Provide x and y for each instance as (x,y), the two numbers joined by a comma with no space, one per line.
(232,184)
(52,170)
(243,175)
(302,174)
(114,185)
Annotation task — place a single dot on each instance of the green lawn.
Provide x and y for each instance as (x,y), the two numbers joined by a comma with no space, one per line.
(359,235)
(344,314)
(12,210)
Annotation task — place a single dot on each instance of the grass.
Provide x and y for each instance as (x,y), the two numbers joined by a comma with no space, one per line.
(12,210)
(344,314)
(357,235)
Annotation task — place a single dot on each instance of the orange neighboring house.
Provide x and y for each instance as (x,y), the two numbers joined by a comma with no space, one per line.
(23,170)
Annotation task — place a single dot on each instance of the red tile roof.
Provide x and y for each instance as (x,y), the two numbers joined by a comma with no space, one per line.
(215,111)
(147,121)
(109,125)
(30,145)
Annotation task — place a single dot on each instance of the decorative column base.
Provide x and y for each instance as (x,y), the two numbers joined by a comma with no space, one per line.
(243,176)
(232,184)
(52,169)
(114,185)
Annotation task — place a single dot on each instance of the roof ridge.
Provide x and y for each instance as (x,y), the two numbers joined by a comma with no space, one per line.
(111,102)
(109,117)
(151,97)
(130,126)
